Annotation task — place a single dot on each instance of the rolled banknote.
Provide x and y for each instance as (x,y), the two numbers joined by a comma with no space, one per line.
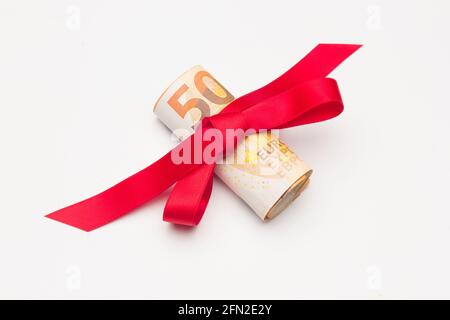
(263,171)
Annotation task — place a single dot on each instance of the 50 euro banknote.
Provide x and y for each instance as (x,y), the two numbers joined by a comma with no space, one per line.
(262,170)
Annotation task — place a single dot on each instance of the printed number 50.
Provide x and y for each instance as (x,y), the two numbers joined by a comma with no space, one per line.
(199,103)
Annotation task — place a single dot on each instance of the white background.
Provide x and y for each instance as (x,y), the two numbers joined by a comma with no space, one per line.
(78,80)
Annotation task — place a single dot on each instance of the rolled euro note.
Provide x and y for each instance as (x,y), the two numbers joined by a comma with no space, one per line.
(263,171)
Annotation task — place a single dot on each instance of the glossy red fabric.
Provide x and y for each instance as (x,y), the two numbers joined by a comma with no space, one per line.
(300,96)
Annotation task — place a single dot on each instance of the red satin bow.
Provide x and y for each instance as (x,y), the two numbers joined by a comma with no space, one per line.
(301,95)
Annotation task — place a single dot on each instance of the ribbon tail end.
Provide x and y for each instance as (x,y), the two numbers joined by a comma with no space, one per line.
(56,216)
(354,47)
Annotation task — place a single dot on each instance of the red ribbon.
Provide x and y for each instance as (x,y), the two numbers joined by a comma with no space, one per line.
(300,96)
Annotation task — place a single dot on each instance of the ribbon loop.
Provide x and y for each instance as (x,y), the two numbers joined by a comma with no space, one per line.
(186,207)
(310,101)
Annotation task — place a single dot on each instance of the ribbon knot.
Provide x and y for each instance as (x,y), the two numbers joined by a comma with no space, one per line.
(228,121)
(300,96)
(231,128)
